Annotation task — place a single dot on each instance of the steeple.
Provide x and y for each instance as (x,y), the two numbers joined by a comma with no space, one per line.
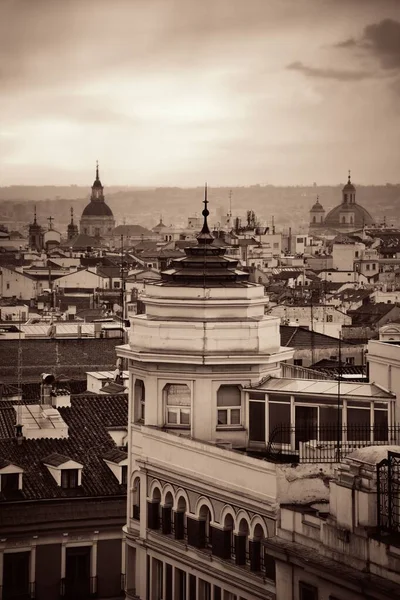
(349,191)
(34,216)
(205,265)
(97,188)
(72,229)
(205,236)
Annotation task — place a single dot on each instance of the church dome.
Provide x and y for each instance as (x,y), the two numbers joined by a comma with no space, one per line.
(361,215)
(97,209)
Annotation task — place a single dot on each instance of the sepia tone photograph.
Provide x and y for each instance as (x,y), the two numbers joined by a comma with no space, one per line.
(199,299)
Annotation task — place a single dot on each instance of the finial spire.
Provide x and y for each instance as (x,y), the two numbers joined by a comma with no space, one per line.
(72,215)
(34,216)
(50,220)
(349,178)
(205,236)
(97,169)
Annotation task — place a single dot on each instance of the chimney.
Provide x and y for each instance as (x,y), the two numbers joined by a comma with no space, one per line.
(46,388)
(18,434)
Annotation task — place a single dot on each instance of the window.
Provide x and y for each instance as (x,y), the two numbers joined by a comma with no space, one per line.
(329,318)
(9,482)
(307,592)
(136,499)
(16,575)
(367,266)
(117,284)
(298,362)
(373,265)
(8,286)
(349,360)
(356,254)
(177,404)
(69,478)
(229,401)
(124,474)
(276,245)
(140,399)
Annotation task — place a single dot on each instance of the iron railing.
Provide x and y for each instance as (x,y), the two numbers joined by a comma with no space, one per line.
(325,443)
(81,590)
(388,492)
(28,594)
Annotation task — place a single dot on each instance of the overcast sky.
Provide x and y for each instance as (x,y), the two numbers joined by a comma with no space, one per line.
(174,92)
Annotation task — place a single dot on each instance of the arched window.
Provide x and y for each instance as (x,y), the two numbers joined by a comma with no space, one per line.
(229,402)
(314,219)
(153,510)
(343,219)
(166,514)
(205,518)
(179,524)
(241,543)
(140,398)
(136,499)
(177,399)
(351,219)
(255,548)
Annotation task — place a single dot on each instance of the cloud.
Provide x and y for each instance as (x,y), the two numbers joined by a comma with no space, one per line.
(328,73)
(381,40)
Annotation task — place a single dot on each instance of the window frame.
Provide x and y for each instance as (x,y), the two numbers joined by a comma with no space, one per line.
(228,409)
(307,587)
(67,477)
(178,409)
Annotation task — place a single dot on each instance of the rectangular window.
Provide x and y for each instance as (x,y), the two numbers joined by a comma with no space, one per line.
(269,567)
(204,590)
(298,362)
(229,405)
(117,284)
(69,478)
(124,474)
(373,265)
(358,424)
(349,360)
(307,591)
(367,267)
(178,405)
(16,575)
(279,422)
(9,482)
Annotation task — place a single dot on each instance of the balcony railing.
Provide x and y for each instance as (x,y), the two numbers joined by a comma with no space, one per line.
(325,443)
(29,593)
(78,590)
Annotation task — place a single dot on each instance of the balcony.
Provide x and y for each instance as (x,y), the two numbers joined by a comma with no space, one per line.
(325,443)
(83,589)
(18,594)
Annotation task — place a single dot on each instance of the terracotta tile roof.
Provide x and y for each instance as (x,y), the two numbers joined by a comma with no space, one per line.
(87,418)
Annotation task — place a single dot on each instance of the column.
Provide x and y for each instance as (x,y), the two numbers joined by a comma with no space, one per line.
(32,566)
(292,423)
(344,421)
(266,418)
(164,581)
(372,420)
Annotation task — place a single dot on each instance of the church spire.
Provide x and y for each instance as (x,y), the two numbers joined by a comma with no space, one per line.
(72,216)
(34,216)
(97,171)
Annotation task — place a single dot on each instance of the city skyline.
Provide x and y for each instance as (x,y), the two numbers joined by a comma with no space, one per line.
(170,92)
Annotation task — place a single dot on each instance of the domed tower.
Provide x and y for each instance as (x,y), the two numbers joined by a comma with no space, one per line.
(317,215)
(35,235)
(72,229)
(348,216)
(97,218)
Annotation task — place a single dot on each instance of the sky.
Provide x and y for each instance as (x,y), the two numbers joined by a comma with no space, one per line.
(176,92)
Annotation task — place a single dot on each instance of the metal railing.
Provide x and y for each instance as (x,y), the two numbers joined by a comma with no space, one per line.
(388,493)
(326,443)
(81,590)
(28,594)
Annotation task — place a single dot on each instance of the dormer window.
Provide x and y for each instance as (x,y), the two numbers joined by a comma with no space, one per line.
(10,477)
(66,472)
(69,478)
(117,461)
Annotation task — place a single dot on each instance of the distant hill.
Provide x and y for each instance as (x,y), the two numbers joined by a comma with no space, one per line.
(288,205)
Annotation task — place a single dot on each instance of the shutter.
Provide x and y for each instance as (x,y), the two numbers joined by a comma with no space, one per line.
(153,518)
(179,525)
(196,532)
(221,542)
(166,520)
(240,549)
(254,551)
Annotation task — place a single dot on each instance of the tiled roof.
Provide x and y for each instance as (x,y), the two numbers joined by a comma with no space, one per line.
(115,455)
(4,463)
(87,418)
(301,337)
(55,459)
